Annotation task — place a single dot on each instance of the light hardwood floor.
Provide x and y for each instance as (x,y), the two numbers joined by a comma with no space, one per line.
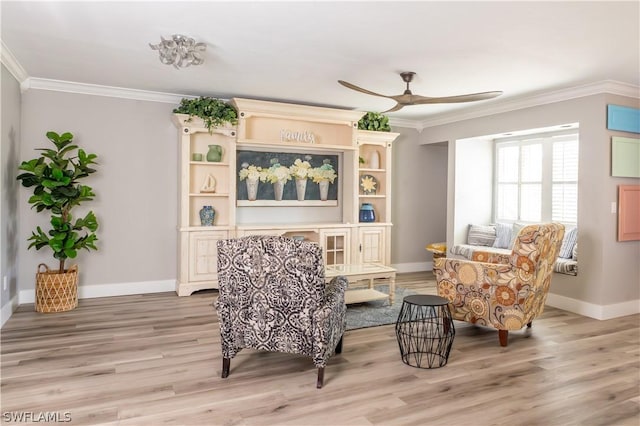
(155,359)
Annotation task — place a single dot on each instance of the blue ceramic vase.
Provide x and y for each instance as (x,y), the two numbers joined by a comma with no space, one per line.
(367,214)
(207,213)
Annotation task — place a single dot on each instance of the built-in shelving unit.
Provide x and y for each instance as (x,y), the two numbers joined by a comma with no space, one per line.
(284,128)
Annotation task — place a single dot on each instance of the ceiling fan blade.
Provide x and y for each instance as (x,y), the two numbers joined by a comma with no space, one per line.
(471,97)
(360,89)
(395,108)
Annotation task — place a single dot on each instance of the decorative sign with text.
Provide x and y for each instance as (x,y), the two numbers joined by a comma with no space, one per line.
(297,136)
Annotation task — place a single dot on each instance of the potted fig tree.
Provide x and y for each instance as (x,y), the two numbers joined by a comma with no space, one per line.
(55,178)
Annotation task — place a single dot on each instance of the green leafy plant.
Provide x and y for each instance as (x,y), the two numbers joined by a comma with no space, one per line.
(214,112)
(374,121)
(54,177)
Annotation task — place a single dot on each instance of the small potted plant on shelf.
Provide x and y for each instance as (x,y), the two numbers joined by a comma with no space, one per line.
(374,121)
(55,178)
(214,112)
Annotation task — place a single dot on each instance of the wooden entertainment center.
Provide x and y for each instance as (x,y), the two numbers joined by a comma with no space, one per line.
(271,129)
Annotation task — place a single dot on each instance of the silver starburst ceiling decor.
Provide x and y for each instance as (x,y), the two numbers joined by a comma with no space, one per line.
(180,51)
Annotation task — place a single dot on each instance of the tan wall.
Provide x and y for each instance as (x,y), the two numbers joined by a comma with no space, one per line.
(135,186)
(609,271)
(137,189)
(419,195)
(9,187)
(621,260)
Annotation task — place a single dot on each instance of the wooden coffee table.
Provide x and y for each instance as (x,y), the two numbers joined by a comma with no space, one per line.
(367,271)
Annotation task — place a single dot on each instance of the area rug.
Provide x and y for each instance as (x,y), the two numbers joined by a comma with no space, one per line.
(377,312)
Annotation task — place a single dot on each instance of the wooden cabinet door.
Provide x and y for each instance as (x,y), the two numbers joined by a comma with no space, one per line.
(372,245)
(203,255)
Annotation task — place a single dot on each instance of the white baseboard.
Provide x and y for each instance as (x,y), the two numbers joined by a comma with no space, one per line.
(580,307)
(623,309)
(106,290)
(8,309)
(601,312)
(413,267)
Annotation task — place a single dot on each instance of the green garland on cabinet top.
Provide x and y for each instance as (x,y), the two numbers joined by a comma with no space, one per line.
(374,121)
(214,112)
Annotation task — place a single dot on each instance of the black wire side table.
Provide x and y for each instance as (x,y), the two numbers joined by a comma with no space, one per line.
(425,331)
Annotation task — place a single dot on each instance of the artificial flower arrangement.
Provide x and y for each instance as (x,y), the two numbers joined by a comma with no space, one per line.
(277,172)
(323,173)
(252,172)
(300,169)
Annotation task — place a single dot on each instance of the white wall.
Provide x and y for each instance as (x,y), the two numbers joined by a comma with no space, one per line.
(607,282)
(473,202)
(9,192)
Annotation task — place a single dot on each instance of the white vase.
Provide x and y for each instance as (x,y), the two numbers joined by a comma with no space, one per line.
(374,160)
(301,187)
(278,188)
(252,189)
(324,189)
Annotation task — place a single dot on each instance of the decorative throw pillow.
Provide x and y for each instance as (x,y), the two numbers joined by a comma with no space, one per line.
(574,254)
(503,235)
(569,240)
(515,230)
(481,235)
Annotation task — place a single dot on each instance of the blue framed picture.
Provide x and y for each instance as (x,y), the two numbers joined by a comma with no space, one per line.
(623,118)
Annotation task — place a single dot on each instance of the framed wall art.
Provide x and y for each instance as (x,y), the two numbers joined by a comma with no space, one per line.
(623,118)
(628,212)
(625,157)
(287,179)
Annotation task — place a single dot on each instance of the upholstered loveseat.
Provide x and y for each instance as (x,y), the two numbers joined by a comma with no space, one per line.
(498,239)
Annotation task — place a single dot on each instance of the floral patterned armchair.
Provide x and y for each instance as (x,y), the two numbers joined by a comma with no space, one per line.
(503,291)
(273,296)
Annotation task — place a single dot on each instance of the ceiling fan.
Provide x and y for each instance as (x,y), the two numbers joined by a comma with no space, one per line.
(408,98)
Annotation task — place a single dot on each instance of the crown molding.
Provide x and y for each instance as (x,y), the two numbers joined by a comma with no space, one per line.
(12,64)
(98,90)
(403,122)
(606,86)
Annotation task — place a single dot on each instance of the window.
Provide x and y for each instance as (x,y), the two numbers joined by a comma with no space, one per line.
(536,179)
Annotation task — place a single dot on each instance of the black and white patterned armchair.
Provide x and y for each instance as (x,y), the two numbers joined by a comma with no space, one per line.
(273,297)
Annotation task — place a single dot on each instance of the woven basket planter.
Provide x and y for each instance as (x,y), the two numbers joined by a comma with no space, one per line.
(56,292)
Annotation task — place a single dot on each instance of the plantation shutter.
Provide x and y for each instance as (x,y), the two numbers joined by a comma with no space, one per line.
(536,179)
(507,187)
(531,182)
(564,207)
